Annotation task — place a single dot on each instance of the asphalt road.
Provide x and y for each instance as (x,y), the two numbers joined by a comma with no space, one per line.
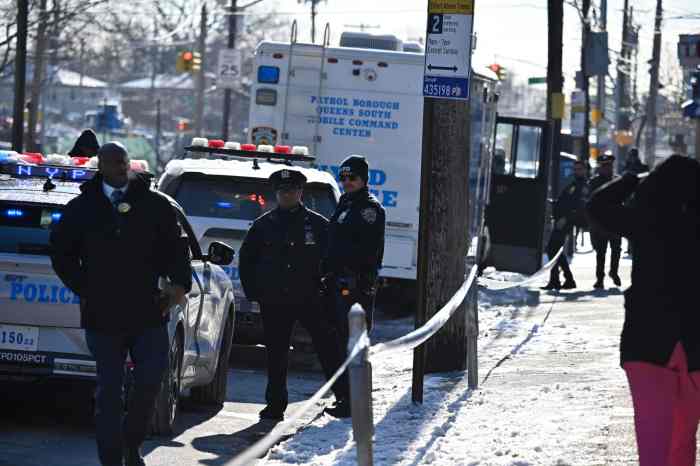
(51,425)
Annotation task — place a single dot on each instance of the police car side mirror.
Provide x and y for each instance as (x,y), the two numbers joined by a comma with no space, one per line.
(220,253)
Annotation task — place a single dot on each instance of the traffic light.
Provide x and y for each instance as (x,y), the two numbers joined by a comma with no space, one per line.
(500,71)
(188,62)
(183,125)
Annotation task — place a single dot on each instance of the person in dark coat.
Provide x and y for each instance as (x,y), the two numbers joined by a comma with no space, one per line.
(112,245)
(568,212)
(86,145)
(280,268)
(599,236)
(355,249)
(634,164)
(660,344)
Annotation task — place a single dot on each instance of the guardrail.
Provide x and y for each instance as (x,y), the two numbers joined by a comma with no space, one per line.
(359,365)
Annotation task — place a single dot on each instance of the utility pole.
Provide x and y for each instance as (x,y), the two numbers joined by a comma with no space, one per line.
(37,76)
(157,138)
(555,86)
(650,145)
(622,99)
(586,32)
(600,98)
(20,75)
(231,45)
(200,77)
(314,13)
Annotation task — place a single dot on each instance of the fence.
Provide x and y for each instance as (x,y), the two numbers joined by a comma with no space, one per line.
(359,365)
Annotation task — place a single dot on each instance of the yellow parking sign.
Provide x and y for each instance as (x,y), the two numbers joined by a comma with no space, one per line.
(454,7)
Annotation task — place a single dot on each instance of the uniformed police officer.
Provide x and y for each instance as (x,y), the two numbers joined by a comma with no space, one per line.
(280,267)
(568,212)
(600,238)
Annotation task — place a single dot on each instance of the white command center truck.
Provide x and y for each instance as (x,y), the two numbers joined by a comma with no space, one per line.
(347,100)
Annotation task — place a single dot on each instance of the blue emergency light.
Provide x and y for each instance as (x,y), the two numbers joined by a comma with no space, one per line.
(14,213)
(224,205)
(268,74)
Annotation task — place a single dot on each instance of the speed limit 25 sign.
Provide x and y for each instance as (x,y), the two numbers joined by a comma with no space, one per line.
(229,72)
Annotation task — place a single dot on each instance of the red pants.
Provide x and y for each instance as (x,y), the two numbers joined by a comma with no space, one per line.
(666,410)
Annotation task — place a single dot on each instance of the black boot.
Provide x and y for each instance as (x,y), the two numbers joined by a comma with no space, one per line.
(341,409)
(599,284)
(616,279)
(272,413)
(132,457)
(551,286)
(569,284)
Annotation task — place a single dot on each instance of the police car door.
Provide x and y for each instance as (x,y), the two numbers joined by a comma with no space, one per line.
(196,300)
(516,210)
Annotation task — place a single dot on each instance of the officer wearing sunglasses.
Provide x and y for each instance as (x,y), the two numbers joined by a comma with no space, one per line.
(355,249)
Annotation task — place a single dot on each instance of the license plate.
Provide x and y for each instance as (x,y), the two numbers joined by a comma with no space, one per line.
(13,337)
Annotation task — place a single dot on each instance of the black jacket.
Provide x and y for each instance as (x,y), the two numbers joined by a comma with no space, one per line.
(356,235)
(113,260)
(661,304)
(280,258)
(571,203)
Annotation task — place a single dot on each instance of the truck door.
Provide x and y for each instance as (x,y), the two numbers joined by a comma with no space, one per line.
(516,212)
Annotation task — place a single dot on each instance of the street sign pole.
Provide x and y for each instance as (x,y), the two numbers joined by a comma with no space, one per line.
(443,206)
(231,45)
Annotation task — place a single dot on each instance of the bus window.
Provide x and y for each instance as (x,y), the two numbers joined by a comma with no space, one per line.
(528,161)
(266,97)
(268,74)
(503,153)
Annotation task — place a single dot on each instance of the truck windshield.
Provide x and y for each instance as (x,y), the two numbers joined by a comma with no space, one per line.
(224,197)
(24,229)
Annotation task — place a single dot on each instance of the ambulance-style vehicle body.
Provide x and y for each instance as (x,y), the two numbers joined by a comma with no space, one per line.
(340,101)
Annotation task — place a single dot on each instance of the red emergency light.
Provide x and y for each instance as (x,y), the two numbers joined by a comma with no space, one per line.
(283,150)
(32,157)
(216,143)
(80,161)
(249,147)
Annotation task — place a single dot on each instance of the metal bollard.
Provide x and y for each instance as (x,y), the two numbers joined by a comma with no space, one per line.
(360,375)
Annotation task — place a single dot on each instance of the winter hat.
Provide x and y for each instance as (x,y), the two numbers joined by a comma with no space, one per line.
(355,165)
(86,145)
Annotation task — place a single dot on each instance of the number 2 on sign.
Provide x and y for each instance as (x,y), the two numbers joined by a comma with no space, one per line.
(435,24)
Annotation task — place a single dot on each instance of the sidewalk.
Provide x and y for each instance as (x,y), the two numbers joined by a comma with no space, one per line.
(552,392)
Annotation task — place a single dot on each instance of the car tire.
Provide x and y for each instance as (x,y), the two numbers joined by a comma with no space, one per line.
(214,393)
(168,397)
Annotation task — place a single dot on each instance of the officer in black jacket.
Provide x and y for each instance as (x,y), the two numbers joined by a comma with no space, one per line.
(599,237)
(280,267)
(568,212)
(111,246)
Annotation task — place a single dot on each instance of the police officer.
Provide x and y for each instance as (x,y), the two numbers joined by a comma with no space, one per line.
(568,212)
(86,145)
(601,238)
(113,243)
(280,268)
(356,247)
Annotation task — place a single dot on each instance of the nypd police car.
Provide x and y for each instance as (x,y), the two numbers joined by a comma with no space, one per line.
(223,187)
(40,334)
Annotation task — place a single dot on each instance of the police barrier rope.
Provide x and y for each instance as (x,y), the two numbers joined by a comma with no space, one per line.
(260,448)
(404,343)
(498,285)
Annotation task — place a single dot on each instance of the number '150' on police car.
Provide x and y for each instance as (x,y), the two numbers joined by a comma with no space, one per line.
(40,334)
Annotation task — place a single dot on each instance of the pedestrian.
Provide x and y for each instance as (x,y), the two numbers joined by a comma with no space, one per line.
(660,344)
(112,245)
(86,145)
(280,268)
(568,212)
(355,249)
(601,238)
(633,164)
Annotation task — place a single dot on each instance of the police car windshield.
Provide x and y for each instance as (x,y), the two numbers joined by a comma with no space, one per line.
(225,197)
(24,229)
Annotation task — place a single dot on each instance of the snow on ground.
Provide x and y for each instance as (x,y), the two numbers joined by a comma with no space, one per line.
(545,394)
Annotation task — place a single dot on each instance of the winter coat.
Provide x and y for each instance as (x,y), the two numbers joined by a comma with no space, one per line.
(112,258)
(280,258)
(661,305)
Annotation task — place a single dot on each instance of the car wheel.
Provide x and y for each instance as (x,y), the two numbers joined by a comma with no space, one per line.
(168,397)
(214,393)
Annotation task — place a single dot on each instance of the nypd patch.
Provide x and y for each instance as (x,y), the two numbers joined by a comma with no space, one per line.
(369,214)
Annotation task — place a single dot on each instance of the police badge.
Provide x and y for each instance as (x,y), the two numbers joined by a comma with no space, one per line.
(369,214)
(341,217)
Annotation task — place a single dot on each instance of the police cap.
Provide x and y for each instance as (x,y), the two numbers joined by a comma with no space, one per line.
(286,178)
(606,158)
(355,165)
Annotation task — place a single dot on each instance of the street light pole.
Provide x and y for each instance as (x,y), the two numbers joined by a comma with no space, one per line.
(231,44)
(20,75)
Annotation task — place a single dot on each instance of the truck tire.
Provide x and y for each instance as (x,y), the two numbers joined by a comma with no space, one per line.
(169,395)
(214,393)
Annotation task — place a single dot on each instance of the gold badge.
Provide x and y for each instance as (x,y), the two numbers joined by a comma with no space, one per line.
(123,207)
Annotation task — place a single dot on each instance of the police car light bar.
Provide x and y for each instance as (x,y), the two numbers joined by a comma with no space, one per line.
(250,151)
